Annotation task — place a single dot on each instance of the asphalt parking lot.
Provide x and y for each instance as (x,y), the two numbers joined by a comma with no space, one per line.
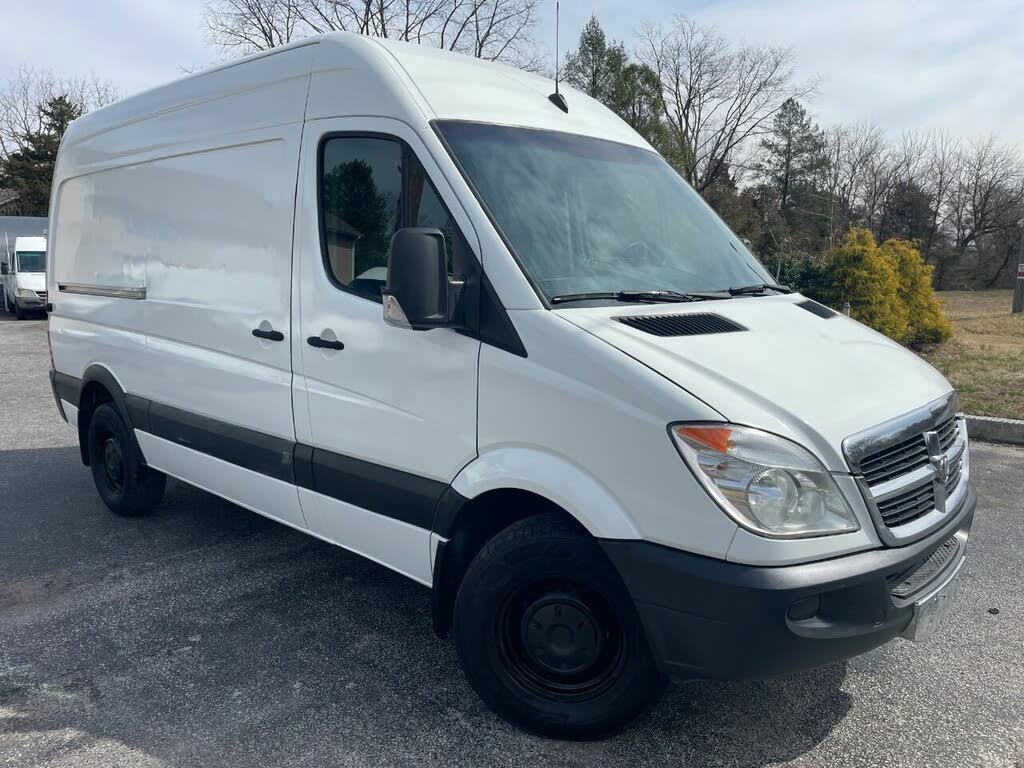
(205,635)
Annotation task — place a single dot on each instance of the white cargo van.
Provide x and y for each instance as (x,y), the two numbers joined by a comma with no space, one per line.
(23,276)
(404,301)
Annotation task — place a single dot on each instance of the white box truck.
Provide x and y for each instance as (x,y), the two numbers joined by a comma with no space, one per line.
(23,276)
(404,301)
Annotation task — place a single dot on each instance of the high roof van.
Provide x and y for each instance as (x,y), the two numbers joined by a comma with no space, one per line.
(23,276)
(403,301)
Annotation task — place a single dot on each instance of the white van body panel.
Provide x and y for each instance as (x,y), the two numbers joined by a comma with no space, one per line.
(758,378)
(29,244)
(360,401)
(32,281)
(579,419)
(193,203)
(399,546)
(254,491)
(460,88)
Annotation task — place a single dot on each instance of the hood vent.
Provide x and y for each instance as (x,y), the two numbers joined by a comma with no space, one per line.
(817,309)
(695,324)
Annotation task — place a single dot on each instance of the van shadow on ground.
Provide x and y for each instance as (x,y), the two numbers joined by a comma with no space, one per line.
(206,635)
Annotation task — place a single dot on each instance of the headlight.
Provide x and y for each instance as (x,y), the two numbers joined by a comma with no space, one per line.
(25,293)
(765,483)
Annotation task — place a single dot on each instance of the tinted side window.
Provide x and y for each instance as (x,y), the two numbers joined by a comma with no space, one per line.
(426,208)
(361,204)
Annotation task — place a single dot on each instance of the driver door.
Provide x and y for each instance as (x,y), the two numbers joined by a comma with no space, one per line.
(389,414)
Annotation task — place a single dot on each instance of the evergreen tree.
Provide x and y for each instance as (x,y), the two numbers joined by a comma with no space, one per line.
(636,98)
(793,208)
(603,71)
(737,209)
(30,170)
(595,67)
(794,156)
(908,212)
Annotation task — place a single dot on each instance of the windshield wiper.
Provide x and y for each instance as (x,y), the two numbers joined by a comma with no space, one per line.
(758,289)
(652,296)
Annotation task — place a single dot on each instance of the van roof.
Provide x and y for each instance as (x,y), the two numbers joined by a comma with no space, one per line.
(30,243)
(336,74)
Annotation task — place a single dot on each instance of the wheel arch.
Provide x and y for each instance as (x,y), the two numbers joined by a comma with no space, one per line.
(100,385)
(501,488)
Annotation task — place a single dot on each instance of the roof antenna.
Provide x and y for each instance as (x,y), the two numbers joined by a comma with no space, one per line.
(557,98)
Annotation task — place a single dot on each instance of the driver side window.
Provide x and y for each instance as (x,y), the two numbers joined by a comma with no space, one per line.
(369,188)
(360,209)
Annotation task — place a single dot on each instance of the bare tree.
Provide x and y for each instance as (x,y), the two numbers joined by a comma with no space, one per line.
(939,173)
(247,26)
(855,173)
(499,30)
(28,88)
(716,97)
(985,196)
(881,169)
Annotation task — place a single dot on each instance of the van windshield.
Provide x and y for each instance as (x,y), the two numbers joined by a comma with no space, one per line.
(587,215)
(31,261)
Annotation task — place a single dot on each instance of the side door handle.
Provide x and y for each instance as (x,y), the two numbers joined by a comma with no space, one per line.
(322,343)
(270,335)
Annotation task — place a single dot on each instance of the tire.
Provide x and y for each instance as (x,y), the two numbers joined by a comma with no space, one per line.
(126,485)
(548,635)
(19,313)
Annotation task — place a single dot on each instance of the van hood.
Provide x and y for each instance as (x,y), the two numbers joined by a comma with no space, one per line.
(34,281)
(815,380)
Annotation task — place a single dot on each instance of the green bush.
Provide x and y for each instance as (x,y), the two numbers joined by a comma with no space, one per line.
(802,273)
(889,288)
(928,324)
(858,271)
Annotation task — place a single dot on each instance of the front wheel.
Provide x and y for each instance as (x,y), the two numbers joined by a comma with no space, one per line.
(19,313)
(548,635)
(126,485)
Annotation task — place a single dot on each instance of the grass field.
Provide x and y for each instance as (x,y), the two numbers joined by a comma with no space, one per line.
(985,358)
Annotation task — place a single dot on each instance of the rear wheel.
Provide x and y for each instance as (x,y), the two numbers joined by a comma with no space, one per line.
(126,485)
(548,635)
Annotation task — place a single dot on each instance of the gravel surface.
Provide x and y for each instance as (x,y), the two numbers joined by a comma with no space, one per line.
(205,635)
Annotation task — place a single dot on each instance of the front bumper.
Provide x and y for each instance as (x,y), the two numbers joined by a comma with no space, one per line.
(708,618)
(29,302)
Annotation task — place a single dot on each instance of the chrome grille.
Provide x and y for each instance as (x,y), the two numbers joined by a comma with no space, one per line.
(947,433)
(908,506)
(912,470)
(906,456)
(954,477)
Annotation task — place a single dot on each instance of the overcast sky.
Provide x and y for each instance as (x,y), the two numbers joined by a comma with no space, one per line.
(950,64)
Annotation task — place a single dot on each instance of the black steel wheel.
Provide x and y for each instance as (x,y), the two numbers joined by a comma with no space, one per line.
(126,485)
(548,635)
(560,639)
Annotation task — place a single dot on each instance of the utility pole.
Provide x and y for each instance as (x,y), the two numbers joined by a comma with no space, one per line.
(1018,290)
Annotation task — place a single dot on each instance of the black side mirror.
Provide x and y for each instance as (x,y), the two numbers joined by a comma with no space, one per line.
(3,268)
(418,294)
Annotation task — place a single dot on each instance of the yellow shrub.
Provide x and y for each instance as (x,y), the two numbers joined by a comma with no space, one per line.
(927,323)
(860,272)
